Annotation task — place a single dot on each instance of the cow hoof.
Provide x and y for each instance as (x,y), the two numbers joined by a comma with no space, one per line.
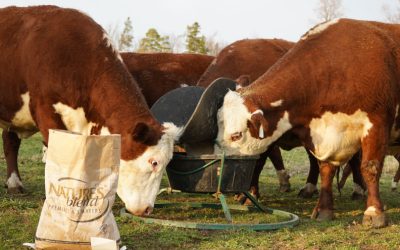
(306,194)
(375,221)
(284,188)
(15,190)
(247,202)
(237,197)
(357,196)
(322,215)
(284,184)
(243,200)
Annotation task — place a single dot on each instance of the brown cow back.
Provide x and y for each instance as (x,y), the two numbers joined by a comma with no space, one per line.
(158,73)
(251,57)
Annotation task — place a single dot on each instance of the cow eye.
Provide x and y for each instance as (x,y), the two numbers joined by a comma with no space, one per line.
(236,136)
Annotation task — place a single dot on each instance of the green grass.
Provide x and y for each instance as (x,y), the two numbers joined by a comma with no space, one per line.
(19,214)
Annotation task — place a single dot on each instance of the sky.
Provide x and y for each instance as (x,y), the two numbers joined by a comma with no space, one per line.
(225,20)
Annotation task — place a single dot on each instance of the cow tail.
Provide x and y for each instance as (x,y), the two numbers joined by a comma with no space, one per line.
(337,180)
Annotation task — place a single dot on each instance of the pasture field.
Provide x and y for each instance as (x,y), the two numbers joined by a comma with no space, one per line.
(19,214)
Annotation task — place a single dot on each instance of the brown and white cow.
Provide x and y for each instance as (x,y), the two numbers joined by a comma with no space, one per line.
(248,57)
(246,60)
(337,90)
(58,69)
(158,73)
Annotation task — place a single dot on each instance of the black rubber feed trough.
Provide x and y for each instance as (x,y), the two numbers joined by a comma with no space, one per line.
(195,109)
(177,105)
(198,171)
(199,174)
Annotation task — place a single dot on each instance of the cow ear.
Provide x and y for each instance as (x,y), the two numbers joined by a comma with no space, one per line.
(141,132)
(242,81)
(258,126)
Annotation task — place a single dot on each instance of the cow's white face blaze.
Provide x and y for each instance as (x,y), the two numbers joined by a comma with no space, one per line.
(233,133)
(139,179)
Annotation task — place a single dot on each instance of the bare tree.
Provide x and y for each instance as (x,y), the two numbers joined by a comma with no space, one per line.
(328,10)
(117,35)
(113,31)
(213,46)
(392,16)
(177,43)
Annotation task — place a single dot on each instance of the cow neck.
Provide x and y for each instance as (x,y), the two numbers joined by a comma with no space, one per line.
(286,81)
(120,104)
(264,93)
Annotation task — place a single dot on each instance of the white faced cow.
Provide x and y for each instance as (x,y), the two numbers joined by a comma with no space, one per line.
(338,91)
(58,70)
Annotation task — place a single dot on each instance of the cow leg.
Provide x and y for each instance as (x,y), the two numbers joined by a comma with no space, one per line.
(46,119)
(254,188)
(373,154)
(311,185)
(396,177)
(353,166)
(346,173)
(274,153)
(11,143)
(324,208)
(359,186)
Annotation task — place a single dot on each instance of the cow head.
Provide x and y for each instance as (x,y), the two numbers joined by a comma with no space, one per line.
(241,132)
(139,179)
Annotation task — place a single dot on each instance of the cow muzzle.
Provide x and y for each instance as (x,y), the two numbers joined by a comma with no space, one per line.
(146,211)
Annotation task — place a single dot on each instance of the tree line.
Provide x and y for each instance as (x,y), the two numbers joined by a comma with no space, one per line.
(195,42)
